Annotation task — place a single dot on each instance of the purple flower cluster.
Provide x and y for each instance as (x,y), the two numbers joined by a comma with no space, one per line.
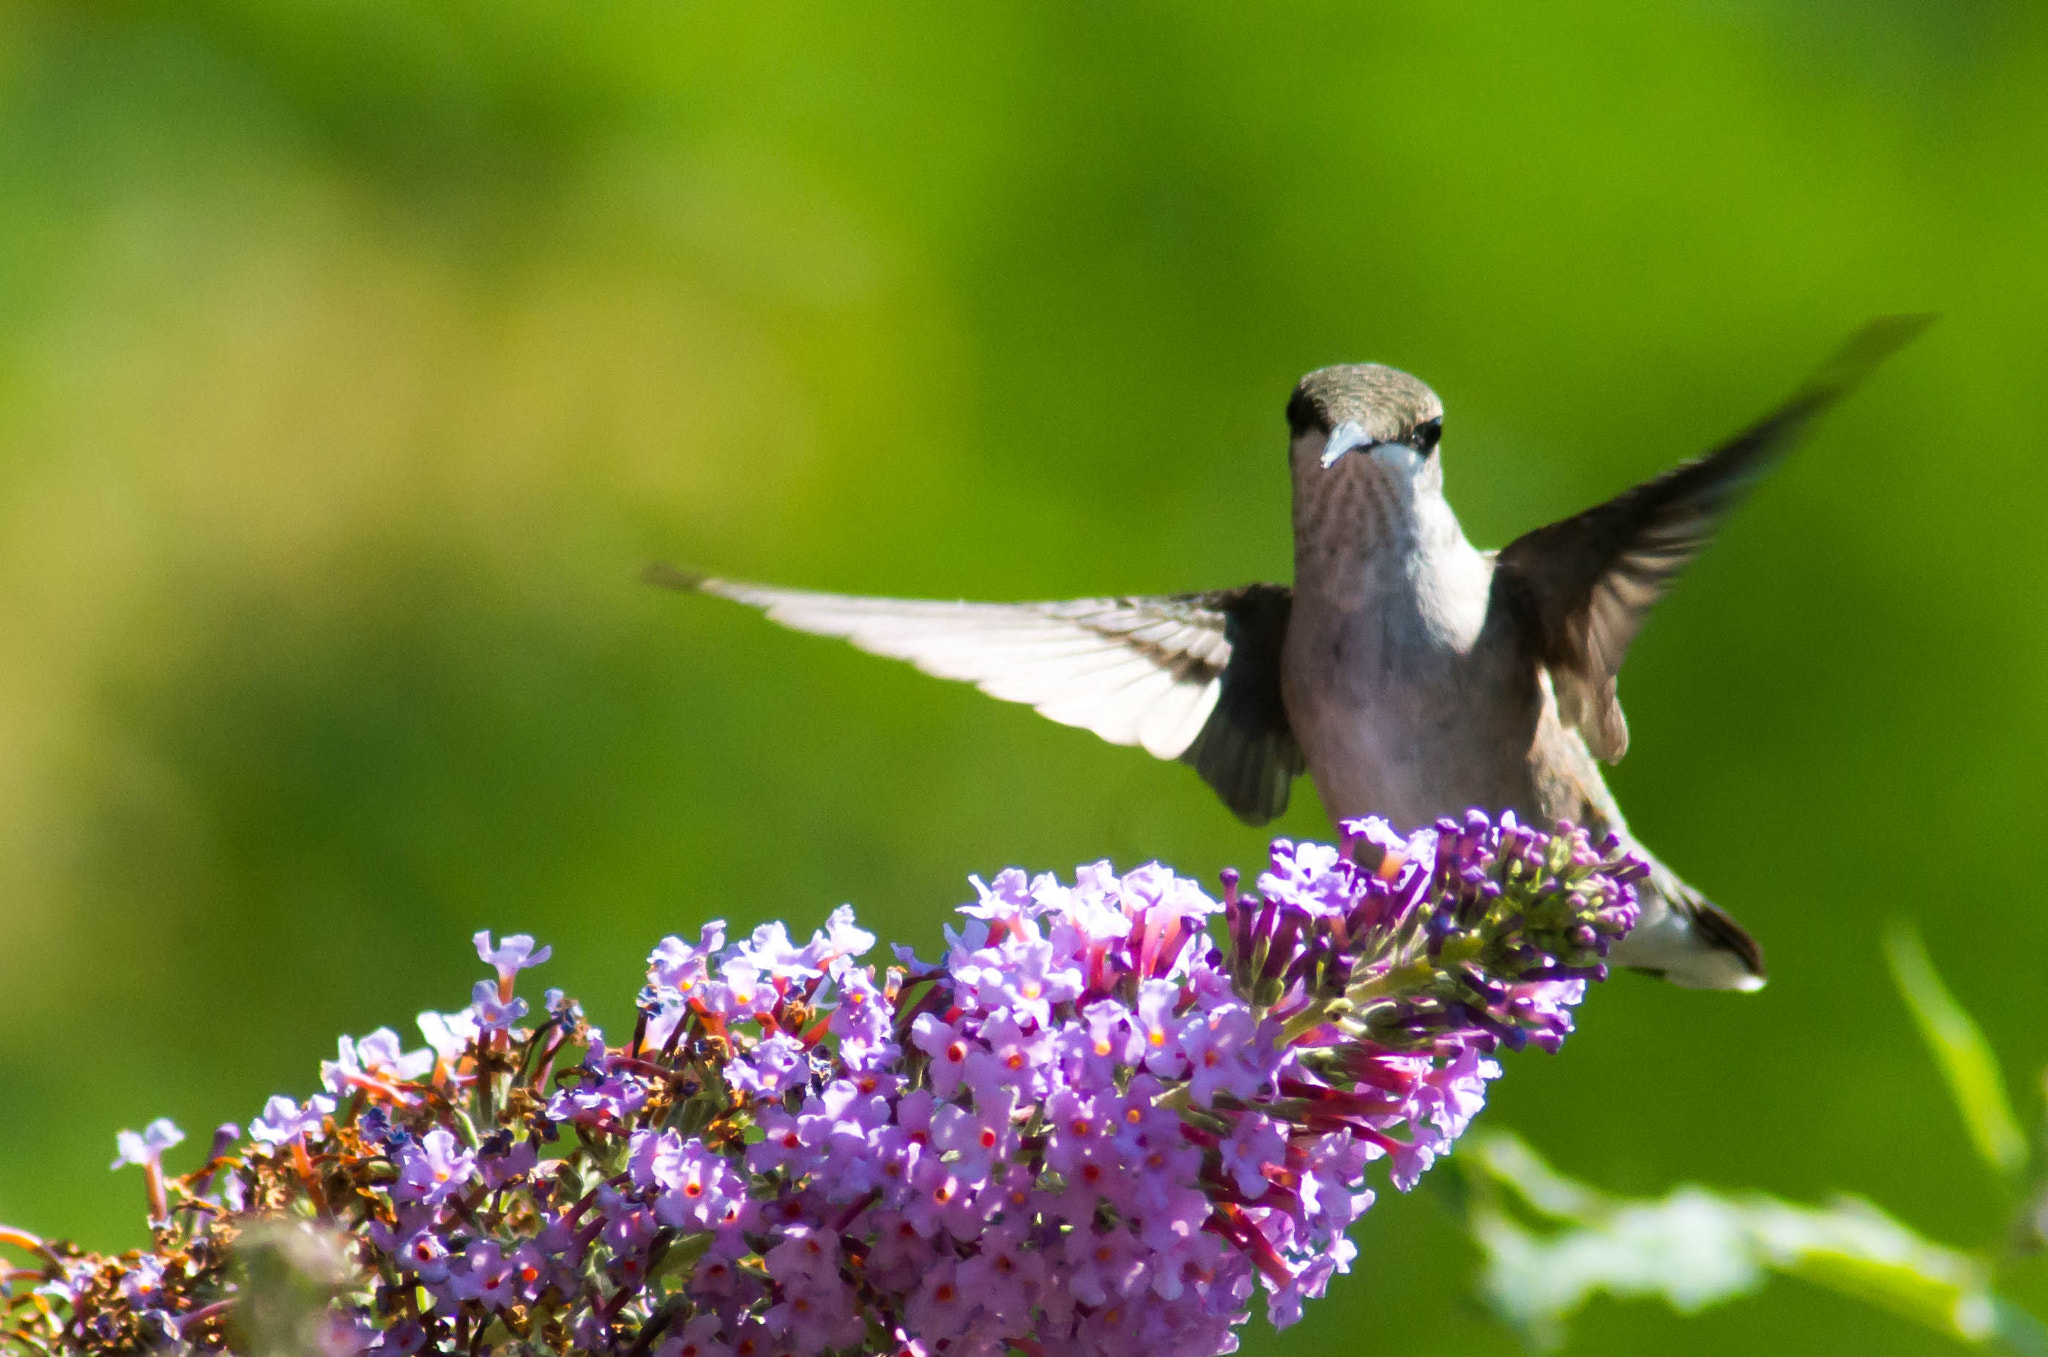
(1108,1114)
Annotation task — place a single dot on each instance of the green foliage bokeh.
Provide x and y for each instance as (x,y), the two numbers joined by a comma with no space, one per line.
(354,357)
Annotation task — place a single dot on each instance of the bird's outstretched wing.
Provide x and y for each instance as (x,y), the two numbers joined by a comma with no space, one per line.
(1582,586)
(1194,677)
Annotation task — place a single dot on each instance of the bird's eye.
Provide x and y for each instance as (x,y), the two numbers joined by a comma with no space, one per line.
(1426,434)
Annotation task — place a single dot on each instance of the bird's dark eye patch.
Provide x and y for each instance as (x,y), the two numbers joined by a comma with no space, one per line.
(1303,414)
(1426,434)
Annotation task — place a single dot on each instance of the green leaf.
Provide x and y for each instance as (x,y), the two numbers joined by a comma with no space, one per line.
(1696,1247)
(1959,1048)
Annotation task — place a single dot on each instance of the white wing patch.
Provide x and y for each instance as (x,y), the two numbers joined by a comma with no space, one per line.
(1136,672)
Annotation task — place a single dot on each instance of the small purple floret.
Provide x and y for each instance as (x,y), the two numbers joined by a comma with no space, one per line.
(146,1149)
(284,1121)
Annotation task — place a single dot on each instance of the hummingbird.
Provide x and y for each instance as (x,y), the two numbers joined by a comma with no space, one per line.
(1407,672)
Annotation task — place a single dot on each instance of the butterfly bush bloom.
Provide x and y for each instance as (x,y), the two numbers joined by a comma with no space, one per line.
(1111,1114)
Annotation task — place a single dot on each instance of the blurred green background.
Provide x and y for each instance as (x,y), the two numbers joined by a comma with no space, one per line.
(355,356)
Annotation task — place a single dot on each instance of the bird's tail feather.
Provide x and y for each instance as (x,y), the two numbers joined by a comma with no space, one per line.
(1689,940)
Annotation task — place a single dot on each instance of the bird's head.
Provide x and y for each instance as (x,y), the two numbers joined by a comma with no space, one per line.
(1364,420)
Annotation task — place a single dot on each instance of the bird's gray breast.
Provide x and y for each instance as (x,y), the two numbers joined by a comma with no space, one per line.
(1405,700)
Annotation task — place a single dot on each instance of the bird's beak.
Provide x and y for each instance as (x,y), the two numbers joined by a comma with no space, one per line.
(1344,438)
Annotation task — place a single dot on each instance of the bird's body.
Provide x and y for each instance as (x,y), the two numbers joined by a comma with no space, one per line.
(1388,671)
(1410,712)
(1409,673)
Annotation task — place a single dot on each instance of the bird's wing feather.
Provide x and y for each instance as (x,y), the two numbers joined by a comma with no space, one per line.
(1585,584)
(1193,677)
(1246,749)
